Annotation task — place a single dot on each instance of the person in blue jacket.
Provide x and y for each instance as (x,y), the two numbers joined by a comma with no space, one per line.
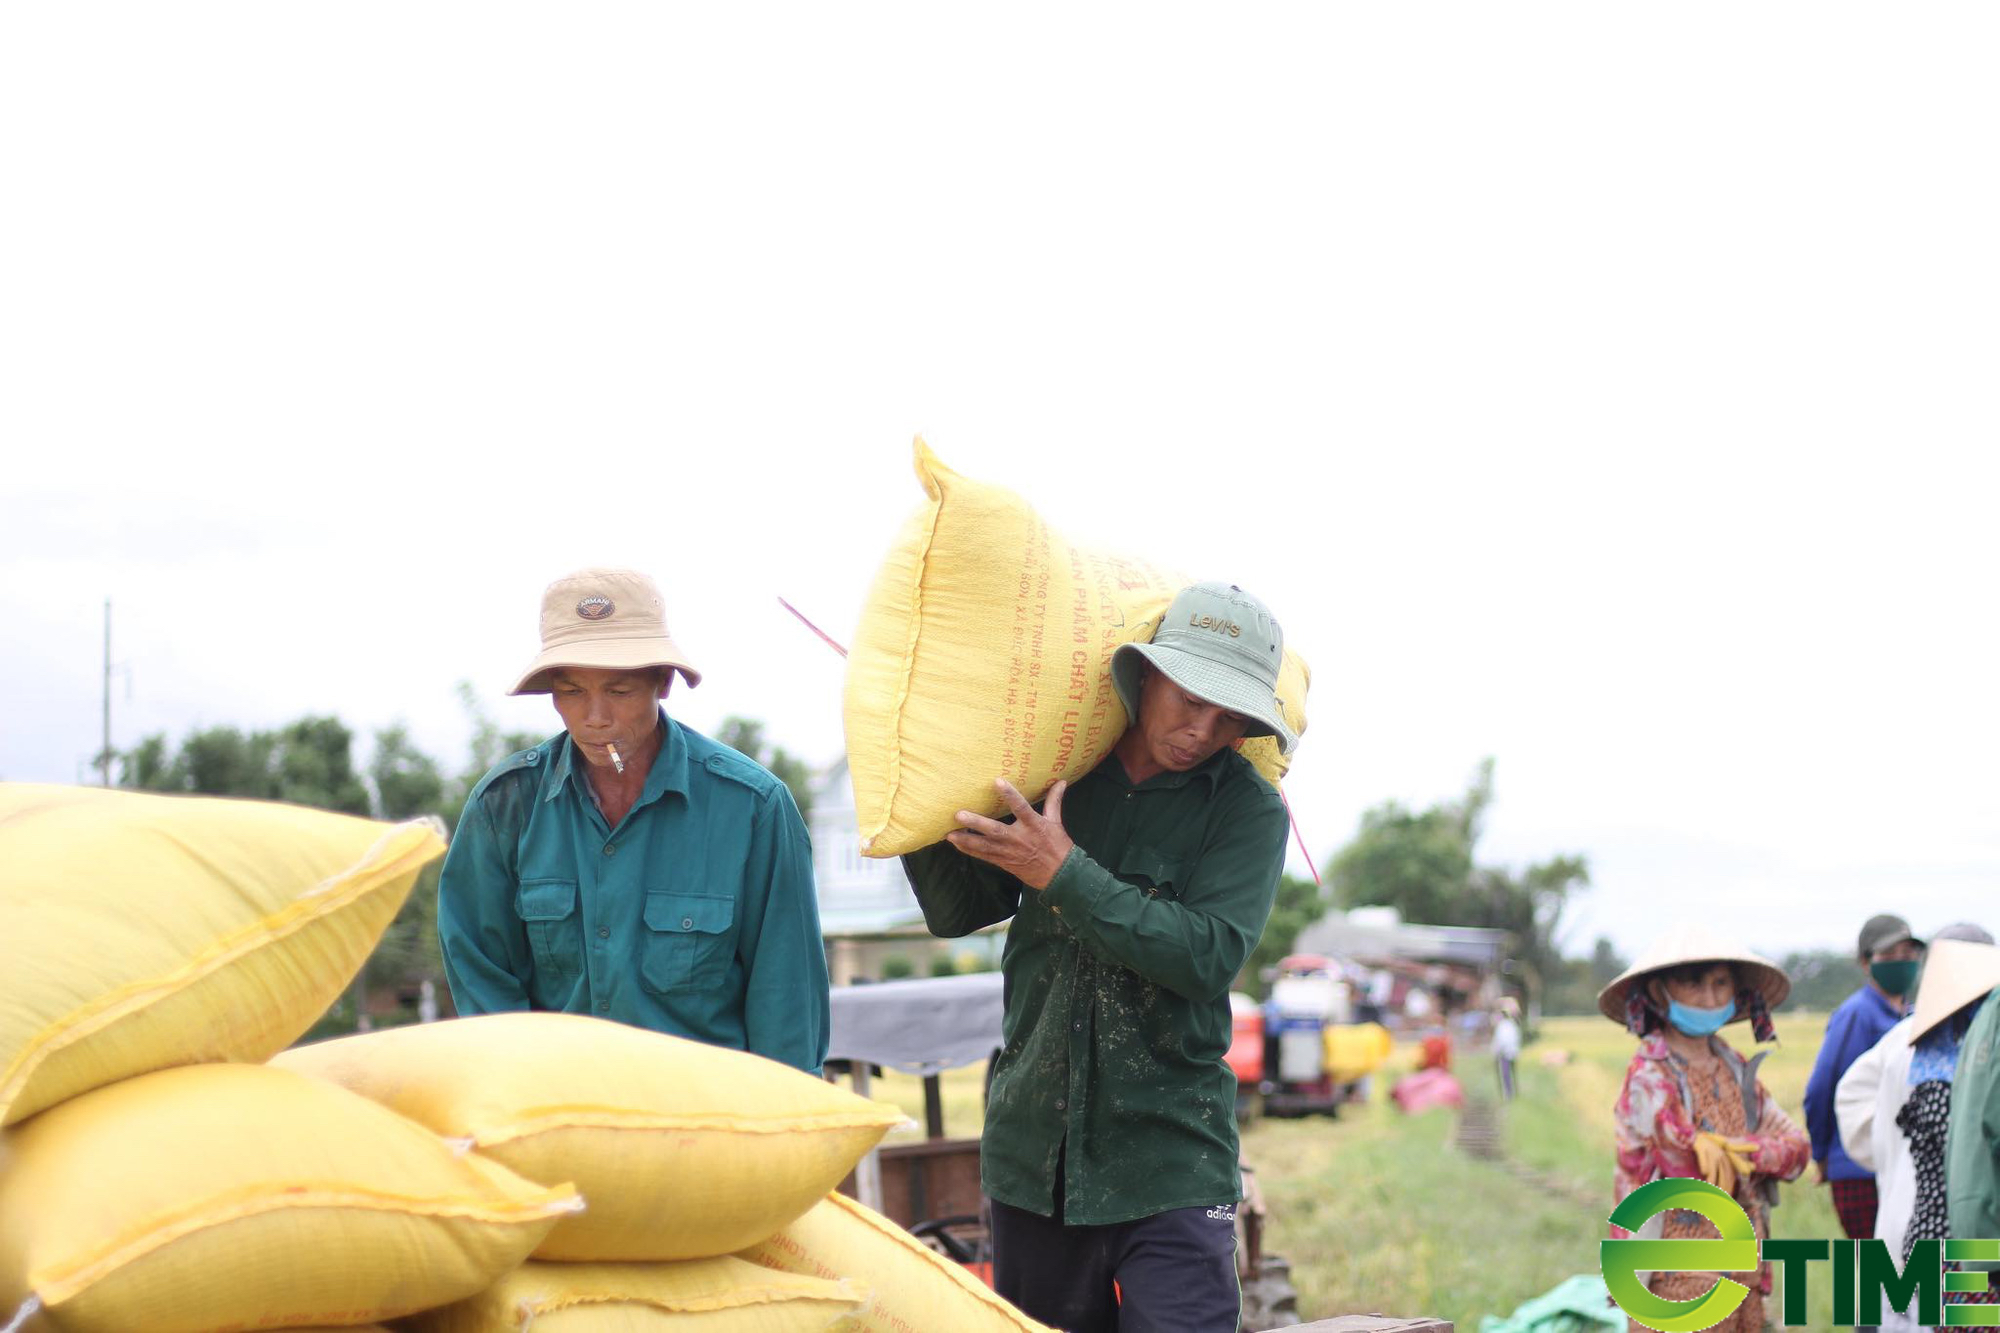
(629,867)
(1891,957)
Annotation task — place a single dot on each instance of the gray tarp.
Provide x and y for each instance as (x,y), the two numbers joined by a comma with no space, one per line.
(920,1026)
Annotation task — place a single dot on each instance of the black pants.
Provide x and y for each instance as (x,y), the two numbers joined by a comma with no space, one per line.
(1175,1271)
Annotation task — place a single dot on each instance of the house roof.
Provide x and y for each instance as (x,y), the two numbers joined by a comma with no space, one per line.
(1469,946)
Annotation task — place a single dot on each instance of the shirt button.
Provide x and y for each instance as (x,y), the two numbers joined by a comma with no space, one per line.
(610,847)
(1061,1104)
(1076,1026)
(604,932)
(604,1006)
(687,923)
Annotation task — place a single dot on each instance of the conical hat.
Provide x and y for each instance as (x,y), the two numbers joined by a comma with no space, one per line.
(1691,942)
(1956,972)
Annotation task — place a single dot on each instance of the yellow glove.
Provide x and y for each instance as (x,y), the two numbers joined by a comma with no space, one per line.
(1742,1155)
(1723,1159)
(1714,1162)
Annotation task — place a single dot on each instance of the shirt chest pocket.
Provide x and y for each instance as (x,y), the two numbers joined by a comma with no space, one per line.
(688,941)
(1160,874)
(547,908)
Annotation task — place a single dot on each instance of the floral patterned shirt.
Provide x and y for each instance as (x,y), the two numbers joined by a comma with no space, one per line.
(1661,1108)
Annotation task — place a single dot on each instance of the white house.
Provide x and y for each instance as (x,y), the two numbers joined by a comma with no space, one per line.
(858,895)
(866,909)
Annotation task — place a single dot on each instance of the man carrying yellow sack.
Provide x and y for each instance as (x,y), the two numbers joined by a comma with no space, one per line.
(629,867)
(1137,894)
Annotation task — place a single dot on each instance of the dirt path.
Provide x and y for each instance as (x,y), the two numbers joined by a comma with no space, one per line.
(1478,1136)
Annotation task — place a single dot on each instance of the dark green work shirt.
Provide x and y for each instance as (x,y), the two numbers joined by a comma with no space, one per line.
(696,916)
(1117,989)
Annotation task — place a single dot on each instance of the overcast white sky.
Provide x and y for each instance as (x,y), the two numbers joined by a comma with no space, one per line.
(1607,389)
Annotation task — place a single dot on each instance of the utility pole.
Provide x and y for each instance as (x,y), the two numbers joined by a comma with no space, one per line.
(104,755)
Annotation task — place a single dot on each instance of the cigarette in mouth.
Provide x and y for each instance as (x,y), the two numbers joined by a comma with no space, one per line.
(616,762)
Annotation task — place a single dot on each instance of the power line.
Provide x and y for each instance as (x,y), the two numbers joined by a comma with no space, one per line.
(104,755)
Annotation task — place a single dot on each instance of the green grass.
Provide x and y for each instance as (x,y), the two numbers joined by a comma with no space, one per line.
(1378,1212)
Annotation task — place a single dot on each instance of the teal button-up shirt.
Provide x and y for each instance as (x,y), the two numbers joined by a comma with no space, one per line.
(1117,986)
(696,916)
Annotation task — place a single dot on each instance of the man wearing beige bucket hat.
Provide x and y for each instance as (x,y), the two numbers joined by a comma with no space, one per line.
(1137,893)
(628,867)
(1691,1105)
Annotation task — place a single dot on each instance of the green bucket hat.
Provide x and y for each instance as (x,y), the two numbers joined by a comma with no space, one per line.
(1218,643)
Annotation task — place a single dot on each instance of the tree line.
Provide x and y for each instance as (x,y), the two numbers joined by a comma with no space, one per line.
(1425,865)
(1422,862)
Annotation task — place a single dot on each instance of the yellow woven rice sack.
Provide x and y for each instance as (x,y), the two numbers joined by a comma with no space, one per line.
(911,1287)
(720,1295)
(984,651)
(139,932)
(238,1196)
(680,1150)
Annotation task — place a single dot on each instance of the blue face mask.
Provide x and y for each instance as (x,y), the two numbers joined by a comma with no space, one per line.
(1699,1022)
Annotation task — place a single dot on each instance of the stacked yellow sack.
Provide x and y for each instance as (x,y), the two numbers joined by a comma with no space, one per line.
(680,1150)
(984,651)
(169,931)
(682,1153)
(911,1288)
(719,1295)
(240,1196)
(139,932)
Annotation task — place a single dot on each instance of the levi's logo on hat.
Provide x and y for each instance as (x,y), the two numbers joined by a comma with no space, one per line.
(1218,624)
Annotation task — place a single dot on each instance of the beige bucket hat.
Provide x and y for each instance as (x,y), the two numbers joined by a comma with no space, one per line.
(1956,972)
(1692,942)
(610,619)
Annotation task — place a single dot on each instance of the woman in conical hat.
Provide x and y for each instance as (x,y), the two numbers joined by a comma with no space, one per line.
(1691,1105)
